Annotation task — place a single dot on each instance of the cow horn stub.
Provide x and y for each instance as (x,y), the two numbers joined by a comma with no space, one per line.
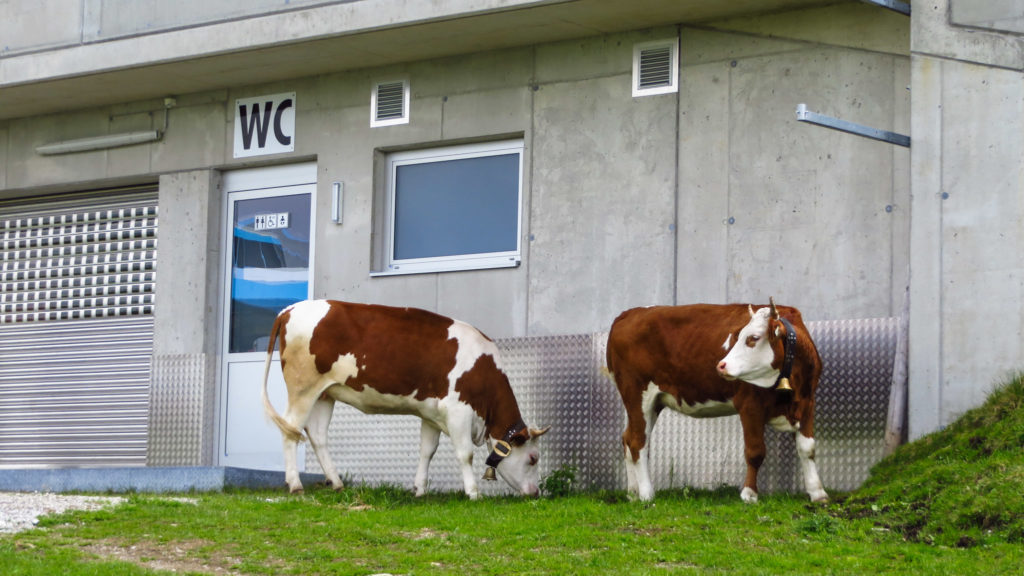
(775,312)
(535,433)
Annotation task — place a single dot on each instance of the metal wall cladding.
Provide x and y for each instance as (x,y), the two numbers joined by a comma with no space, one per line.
(181,415)
(561,381)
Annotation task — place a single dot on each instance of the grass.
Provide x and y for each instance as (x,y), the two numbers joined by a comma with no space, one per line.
(385,530)
(960,486)
(947,504)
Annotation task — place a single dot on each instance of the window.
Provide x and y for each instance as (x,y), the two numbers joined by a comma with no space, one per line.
(453,208)
(656,67)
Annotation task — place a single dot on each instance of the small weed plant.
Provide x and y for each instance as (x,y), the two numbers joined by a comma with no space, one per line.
(560,482)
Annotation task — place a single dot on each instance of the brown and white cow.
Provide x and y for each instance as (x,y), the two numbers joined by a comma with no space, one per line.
(385,360)
(672,356)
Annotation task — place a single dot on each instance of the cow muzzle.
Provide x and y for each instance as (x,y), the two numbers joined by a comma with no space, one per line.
(723,371)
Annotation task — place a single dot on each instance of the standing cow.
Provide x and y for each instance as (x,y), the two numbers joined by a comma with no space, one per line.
(671,356)
(385,360)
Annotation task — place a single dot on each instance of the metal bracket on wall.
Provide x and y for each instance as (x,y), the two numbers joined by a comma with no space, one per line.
(894,5)
(805,115)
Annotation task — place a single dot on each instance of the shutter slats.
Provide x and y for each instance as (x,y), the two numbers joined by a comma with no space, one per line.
(77,291)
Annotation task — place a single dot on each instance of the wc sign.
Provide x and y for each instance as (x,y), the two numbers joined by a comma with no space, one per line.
(265,125)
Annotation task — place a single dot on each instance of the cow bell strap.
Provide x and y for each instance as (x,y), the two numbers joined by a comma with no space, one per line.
(502,448)
(789,349)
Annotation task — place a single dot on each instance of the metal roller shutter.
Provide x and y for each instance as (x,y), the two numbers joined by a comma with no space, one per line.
(77,276)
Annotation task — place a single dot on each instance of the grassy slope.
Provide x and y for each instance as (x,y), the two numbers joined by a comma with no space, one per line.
(961,486)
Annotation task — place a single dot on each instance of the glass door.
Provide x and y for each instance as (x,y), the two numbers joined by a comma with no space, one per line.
(268,251)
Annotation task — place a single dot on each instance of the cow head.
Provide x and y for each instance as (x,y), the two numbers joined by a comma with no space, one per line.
(752,357)
(515,459)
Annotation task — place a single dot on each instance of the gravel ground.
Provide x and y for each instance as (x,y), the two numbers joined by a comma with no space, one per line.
(21,510)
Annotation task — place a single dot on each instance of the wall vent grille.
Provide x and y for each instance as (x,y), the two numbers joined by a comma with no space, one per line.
(655,68)
(390,103)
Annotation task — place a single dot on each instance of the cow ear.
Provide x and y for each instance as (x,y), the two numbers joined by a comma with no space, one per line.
(535,433)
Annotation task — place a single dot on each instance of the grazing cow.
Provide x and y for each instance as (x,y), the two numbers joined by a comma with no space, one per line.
(385,360)
(671,356)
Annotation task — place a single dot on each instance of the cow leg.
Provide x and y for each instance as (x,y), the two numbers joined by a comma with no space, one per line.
(291,467)
(299,407)
(429,437)
(636,441)
(645,488)
(754,451)
(812,483)
(316,429)
(465,458)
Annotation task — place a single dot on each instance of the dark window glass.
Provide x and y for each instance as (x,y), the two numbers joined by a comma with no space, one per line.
(457,207)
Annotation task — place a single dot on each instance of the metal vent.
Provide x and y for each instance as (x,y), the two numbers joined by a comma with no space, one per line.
(79,262)
(654,68)
(390,103)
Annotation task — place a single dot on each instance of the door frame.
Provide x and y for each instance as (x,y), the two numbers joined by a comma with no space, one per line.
(246,184)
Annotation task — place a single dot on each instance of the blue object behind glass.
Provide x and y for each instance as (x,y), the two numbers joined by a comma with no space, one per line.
(270,267)
(453,207)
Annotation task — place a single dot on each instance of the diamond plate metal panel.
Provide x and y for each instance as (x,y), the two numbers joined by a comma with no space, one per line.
(560,380)
(182,396)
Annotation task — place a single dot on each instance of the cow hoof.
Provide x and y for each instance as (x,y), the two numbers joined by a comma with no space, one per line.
(749,496)
(818,496)
(298,491)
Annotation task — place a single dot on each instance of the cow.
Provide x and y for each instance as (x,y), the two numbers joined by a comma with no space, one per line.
(672,356)
(387,360)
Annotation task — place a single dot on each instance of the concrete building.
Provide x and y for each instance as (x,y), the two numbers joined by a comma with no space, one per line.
(640,153)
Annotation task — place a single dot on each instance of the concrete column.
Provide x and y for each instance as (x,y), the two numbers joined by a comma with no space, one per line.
(925,339)
(183,390)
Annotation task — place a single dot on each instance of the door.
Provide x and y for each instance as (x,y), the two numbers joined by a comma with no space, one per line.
(268,249)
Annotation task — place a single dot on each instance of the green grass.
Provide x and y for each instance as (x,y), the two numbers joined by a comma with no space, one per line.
(961,486)
(948,504)
(368,531)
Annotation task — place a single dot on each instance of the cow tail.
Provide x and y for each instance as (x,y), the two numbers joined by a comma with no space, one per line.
(291,432)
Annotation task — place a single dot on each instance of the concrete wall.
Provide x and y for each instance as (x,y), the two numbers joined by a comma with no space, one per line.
(772,207)
(967,246)
(712,194)
(48,24)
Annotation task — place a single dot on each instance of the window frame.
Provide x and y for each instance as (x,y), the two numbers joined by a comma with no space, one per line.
(389,265)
